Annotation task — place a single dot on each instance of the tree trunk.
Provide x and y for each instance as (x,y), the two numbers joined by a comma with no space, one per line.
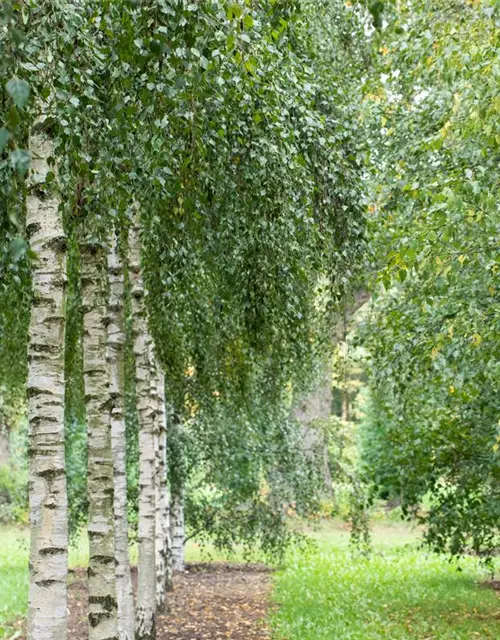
(146,587)
(47,618)
(345,408)
(178,533)
(163,566)
(116,343)
(101,574)
(4,445)
(345,404)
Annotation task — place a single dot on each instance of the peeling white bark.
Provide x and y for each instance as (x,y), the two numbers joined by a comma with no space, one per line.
(102,613)
(47,618)
(178,532)
(163,566)
(146,586)
(116,363)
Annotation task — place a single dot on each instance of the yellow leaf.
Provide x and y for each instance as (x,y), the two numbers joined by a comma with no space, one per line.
(476,339)
(445,129)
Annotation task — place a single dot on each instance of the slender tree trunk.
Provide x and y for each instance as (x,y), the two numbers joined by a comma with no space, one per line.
(166,519)
(345,409)
(101,572)
(169,570)
(116,344)
(178,533)
(163,566)
(47,618)
(345,404)
(146,588)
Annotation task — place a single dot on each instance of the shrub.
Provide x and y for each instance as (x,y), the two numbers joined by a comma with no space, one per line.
(14,479)
(13,494)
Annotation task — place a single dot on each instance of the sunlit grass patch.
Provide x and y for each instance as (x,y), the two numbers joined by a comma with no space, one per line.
(401,592)
(13,576)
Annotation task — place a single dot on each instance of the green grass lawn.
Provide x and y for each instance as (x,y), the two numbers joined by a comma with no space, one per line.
(400,592)
(13,576)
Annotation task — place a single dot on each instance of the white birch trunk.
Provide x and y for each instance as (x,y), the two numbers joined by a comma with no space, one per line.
(146,585)
(116,363)
(47,618)
(102,613)
(163,566)
(178,533)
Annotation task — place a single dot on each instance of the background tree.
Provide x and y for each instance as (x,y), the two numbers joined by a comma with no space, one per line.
(432,334)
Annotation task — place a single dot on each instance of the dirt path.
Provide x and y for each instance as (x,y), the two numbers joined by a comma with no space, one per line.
(211,601)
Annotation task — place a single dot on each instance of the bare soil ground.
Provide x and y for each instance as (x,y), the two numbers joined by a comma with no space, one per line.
(210,601)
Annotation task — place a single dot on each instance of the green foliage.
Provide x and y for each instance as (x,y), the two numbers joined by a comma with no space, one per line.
(74,404)
(245,471)
(13,495)
(433,335)
(378,454)
(242,252)
(13,481)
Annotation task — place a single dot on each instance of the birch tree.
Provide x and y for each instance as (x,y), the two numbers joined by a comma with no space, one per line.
(47,619)
(116,343)
(146,588)
(178,532)
(163,564)
(178,448)
(101,574)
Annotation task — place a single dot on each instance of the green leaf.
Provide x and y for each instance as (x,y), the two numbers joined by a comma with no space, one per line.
(19,91)
(4,137)
(18,248)
(234,11)
(248,21)
(20,161)
(13,119)
(250,65)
